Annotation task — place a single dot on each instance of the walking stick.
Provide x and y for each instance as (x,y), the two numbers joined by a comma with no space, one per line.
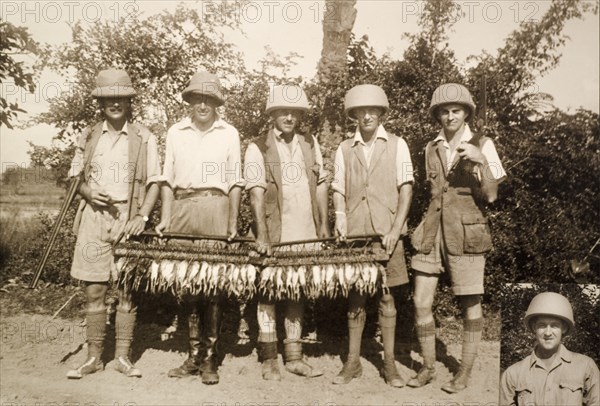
(59,220)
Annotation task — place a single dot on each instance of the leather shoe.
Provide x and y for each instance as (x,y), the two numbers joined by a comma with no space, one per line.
(425,376)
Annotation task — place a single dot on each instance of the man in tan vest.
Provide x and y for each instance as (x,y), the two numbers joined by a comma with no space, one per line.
(288,194)
(372,191)
(119,165)
(463,170)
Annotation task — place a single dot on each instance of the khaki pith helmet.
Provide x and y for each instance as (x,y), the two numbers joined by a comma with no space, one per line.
(451,93)
(287,97)
(113,83)
(550,304)
(365,96)
(206,84)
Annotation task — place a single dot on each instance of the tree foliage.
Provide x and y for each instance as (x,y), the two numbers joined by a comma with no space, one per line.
(14,41)
(547,213)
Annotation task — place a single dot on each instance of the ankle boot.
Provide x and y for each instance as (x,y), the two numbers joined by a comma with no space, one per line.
(267,355)
(294,361)
(210,337)
(95,332)
(195,350)
(471,337)
(387,324)
(124,330)
(426,336)
(352,367)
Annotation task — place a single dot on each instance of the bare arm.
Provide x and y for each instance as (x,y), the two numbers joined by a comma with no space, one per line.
(322,200)
(235,196)
(257,205)
(404,199)
(341,227)
(166,196)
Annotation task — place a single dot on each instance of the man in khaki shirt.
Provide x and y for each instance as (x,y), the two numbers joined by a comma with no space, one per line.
(551,375)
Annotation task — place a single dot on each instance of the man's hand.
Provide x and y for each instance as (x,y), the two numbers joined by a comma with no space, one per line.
(390,240)
(324,230)
(341,226)
(263,247)
(470,152)
(135,226)
(164,224)
(95,197)
(232,231)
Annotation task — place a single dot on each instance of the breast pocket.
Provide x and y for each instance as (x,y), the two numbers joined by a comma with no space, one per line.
(524,396)
(571,393)
(477,237)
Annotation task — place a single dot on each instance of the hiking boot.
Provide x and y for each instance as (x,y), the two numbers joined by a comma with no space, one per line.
(302,368)
(90,366)
(188,368)
(351,369)
(458,383)
(391,375)
(125,366)
(270,370)
(425,376)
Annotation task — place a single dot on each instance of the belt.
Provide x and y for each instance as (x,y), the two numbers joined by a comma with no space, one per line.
(187,193)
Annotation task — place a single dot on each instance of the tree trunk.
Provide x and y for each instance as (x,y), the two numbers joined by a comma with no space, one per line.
(338,22)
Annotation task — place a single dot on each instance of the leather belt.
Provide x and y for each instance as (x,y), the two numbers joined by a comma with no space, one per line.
(187,193)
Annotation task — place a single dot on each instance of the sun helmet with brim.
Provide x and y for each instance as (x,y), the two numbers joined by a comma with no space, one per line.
(365,96)
(288,97)
(550,304)
(206,84)
(451,93)
(113,83)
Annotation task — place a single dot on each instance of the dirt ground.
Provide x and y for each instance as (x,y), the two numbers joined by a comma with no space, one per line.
(36,352)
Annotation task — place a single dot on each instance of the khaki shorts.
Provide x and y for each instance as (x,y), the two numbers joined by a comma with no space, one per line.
(466,271)
(93,259)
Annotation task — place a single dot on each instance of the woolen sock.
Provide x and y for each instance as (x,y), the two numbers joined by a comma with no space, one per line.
(95,332)
(426,337)
(472,330)
(124,327)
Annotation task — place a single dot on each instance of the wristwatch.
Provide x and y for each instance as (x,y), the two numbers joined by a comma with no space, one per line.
(145,218)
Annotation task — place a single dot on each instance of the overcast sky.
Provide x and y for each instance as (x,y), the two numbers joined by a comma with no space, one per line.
(296,26)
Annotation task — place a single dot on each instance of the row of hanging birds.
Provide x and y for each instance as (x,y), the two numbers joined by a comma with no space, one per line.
(245,280)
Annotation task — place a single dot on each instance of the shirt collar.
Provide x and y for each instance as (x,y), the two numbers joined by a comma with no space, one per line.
(279,138)
(466,135)
(563,353)
(379,133)
(186,122)
(124,130)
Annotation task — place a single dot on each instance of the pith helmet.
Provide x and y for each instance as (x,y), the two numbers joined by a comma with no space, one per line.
(287,97)
(365,96)
(204,83)
(451,93)
(113,83)
(550,304)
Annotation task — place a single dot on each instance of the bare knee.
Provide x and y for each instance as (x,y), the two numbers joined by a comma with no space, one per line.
(126,303)
(471,306)
(96,295)
(387,307)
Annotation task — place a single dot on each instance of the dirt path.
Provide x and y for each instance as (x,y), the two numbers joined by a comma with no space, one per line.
(35,354)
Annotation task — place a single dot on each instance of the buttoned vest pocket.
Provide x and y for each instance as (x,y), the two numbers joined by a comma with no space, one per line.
(477,237)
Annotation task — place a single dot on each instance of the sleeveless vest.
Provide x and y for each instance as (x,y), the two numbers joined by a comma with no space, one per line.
(137,140)
(273,194)
(456,203)
(371,191)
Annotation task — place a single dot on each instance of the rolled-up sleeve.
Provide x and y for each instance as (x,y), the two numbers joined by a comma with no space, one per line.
(489,151)
(339,173)
(152,162)
(254,168)
(404,166)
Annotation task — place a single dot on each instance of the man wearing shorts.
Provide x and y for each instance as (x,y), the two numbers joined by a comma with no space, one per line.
(288,194)
(463,170)
(119,165)
(372,192)
(201,195)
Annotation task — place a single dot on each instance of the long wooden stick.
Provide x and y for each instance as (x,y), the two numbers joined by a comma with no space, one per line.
(59,220)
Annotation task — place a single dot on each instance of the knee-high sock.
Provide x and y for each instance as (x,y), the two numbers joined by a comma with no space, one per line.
(124,328)
(95,331)
(356,323)
(387,323)
(472,330)
(267,329)
(294,316)
(426,336)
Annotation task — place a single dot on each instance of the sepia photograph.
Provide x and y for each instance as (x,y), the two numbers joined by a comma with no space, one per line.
(316,202)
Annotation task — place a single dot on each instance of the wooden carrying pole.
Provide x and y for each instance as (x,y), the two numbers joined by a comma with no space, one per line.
(59,220)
